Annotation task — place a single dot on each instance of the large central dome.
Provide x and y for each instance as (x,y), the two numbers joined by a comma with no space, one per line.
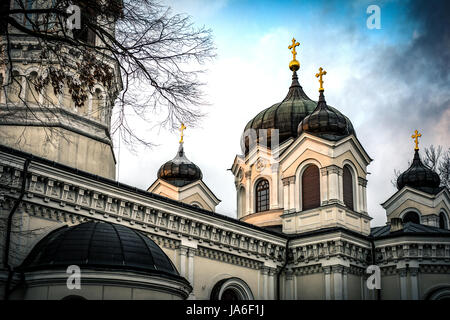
(284,116)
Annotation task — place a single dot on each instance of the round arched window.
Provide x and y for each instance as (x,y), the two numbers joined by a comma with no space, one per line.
(443,223)
(411,216)
(310,188)
(262,196)
(348,188)
(231,289)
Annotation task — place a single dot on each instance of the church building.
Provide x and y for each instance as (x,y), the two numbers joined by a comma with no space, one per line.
(302,230)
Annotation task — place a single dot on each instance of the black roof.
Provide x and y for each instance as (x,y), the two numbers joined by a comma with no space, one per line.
(420,177)
(409,228)
(180,171)
(326,122)
(97,244)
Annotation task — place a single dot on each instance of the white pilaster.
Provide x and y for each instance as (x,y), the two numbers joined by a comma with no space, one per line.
(248,193)
(327,271)
(292,194)
(324,185)
(286,194)
(414,283)
(337,282)
(403,293)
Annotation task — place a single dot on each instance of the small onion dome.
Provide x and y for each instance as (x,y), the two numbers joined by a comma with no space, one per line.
(180,171)
(419,176)
(284,116)
(326,122)
(100,245)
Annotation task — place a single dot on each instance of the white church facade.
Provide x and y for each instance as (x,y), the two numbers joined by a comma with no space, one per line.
(302,230)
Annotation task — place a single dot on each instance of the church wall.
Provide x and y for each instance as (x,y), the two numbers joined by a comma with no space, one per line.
(197,198)
(430,281)
(289,169)
(390,287)
(424,209)
(208,272)
(66,147)
(354,287)
(311,287)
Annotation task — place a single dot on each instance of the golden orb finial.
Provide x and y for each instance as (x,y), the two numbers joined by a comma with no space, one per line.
(319,75)
(182,128)
(416,136)
(294,65)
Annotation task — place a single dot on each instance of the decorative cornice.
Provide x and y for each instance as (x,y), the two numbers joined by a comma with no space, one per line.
(75,200)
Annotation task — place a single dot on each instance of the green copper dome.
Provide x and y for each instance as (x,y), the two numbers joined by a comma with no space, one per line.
(284,116)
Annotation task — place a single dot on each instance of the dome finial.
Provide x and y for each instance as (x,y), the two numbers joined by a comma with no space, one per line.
(182,128)
(416,136)
(294,65)
(319,75)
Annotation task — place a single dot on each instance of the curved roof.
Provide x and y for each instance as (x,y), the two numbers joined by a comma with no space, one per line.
(326,122)
(101,245)
(180,171)
(419,176)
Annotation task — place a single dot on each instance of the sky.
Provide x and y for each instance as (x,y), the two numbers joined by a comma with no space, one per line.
(388,82)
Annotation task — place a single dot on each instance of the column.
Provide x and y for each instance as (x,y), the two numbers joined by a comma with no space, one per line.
(248,193)
(285,194)
(183,253)
(271,295)
(344,279)
(292,194)
(414,283)
(333,185)
(362,183)
(191,255)
(265,286)
(274,202)
(337,282)
(327,271)
(324,185)
(289,292)
(403,293)
(341,184)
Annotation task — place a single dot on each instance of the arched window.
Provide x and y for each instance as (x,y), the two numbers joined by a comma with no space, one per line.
(310,188)
(443,223)
(348,188)
(98,104)
(262,195)
(411,216)
(231,289)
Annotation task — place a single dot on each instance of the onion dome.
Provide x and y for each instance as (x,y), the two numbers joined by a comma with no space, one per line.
(100,245)
(180,171)
(419,176)
(284,116)
(326,122)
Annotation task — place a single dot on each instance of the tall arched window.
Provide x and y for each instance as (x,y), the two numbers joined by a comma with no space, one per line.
(348,188)
(310,188)
(32,95)
(262,195)
(443,223)
(411,216)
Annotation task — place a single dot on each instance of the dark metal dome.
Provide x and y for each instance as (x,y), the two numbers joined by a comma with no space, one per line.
(419,176)
(284,116)
(99,245)
(180,171)
(326,122)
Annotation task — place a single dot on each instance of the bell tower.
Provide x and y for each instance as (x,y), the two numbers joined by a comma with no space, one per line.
(45,120)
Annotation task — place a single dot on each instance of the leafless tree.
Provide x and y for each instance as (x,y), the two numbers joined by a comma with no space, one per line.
(147,57)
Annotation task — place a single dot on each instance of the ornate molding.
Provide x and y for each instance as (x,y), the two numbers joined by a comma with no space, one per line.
(64,197)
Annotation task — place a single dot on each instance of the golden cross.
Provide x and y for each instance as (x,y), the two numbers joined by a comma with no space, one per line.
(416,136)
(319,75)
(182,129)
(292,46)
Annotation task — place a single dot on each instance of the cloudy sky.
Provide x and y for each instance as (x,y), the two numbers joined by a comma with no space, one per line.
(388,81)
